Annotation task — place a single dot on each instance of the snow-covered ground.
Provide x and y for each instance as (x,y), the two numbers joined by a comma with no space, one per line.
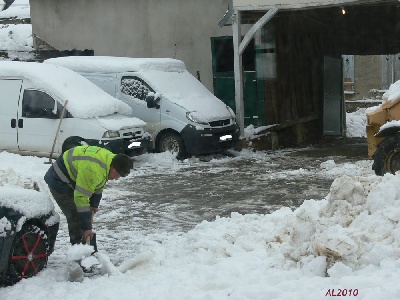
(16,39)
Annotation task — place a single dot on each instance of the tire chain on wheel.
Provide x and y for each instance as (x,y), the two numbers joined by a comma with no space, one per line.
(12,274)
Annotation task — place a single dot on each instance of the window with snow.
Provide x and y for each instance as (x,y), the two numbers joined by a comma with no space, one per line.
(135,87)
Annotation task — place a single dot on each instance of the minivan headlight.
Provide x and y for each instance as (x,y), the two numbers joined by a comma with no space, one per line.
(195,117)
(111,134)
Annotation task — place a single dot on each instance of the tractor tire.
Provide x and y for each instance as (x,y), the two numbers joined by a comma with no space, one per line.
(172,142)
(28,254)
(387,156)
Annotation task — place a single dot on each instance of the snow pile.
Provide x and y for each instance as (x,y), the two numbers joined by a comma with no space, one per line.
(356,123)
(5,225)
(16,39)
(393,93)
(19,9)
(251,132)
(356,226)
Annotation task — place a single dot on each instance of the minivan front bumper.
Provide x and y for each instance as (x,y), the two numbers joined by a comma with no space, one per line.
(209,140)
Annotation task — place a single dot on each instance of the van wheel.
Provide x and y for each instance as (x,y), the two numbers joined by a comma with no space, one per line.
(387,156)
(172,142)
(29,253)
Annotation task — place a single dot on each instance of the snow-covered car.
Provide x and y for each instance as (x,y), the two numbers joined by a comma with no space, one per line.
(43,105)
(28,230)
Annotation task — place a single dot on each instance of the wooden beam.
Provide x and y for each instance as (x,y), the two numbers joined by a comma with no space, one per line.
(237,62)
(259,24)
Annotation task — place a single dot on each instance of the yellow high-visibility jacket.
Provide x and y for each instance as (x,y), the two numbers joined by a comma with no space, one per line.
(88,167)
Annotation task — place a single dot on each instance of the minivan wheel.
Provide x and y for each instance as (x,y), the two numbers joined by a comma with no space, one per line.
(29,253)
(172,142)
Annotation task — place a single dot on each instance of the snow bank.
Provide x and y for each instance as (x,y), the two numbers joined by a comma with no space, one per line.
(356,123)
(355,227)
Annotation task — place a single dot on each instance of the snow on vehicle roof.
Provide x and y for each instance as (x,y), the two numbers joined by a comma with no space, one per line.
(109,64)
(85,99)
(167,76)
(16,192)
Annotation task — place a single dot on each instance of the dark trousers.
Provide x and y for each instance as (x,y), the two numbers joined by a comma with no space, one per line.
(68,207)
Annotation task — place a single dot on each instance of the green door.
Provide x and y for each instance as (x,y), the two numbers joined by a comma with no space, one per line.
(224,81)
(334,116)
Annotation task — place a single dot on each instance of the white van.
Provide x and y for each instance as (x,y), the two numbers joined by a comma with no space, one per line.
(182,115)
(33,97)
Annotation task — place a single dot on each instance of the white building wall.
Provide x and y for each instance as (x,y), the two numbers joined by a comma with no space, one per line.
(135,28)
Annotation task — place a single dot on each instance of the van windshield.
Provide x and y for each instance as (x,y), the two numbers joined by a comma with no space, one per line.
(176,85)
(188,92)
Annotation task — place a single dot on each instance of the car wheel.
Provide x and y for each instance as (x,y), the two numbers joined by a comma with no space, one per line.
(172,142)
(387,156)
(29,253)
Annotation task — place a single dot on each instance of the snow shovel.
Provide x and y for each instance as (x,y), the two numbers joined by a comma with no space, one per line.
(58,131)
(91,241)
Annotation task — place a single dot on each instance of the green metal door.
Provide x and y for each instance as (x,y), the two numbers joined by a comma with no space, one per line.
(224,81)
(334,117)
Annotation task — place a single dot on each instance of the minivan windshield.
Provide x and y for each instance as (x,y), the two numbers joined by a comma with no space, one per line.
(176,85)
(188,92)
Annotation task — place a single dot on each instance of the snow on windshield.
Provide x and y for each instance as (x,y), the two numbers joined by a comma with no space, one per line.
(185,90)
(85,99)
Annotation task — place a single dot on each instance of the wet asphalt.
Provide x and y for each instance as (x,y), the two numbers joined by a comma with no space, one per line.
(206,187)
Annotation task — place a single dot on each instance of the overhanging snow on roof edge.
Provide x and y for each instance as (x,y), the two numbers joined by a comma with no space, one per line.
(291,4)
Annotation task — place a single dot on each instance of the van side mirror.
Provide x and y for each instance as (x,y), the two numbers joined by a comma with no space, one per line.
(152,101)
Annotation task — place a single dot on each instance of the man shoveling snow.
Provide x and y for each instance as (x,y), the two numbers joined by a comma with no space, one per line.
(76,180)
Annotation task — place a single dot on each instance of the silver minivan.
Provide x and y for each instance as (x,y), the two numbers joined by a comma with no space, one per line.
(182,115)
(42,105)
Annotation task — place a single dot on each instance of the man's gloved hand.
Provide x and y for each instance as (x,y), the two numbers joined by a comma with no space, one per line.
(88,233)
(94,209)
